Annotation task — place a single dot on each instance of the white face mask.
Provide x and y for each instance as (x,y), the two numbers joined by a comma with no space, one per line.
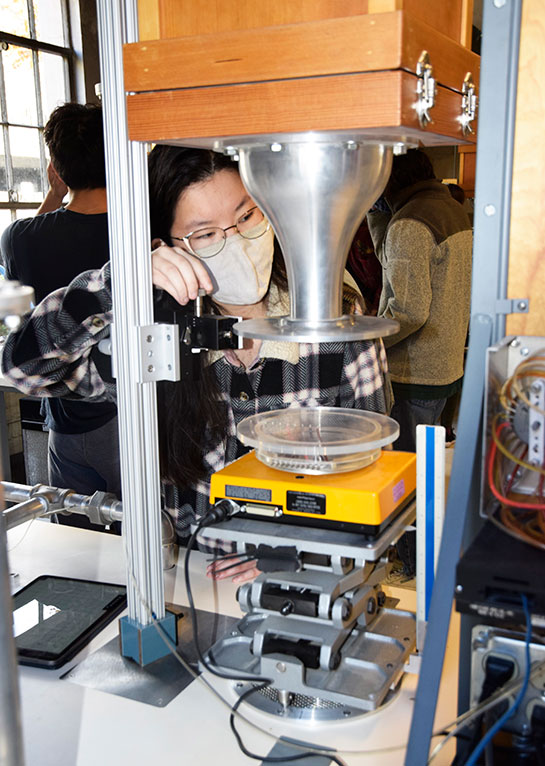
(241,272)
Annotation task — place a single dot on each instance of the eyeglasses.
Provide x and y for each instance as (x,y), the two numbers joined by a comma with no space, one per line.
(206,243)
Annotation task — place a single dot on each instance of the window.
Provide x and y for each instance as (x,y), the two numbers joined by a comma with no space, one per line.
(36,63)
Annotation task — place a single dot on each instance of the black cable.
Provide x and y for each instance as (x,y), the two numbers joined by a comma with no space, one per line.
(213,517)
(216,515)
(272,758)
(242,560)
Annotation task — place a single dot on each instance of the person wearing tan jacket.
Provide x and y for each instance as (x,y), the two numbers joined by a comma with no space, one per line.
(425,248)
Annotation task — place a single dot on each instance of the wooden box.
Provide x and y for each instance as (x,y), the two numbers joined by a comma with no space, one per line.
(356,73)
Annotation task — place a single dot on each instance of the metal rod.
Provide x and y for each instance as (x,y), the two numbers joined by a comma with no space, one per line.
(501,33)
(100,507)
(15,493)
(11,736)
(25,511)
(126,173)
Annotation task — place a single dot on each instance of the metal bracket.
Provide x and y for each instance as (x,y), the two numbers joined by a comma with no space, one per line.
(512,306)
(469,104)
(536,423)
(159,352)
(425,89)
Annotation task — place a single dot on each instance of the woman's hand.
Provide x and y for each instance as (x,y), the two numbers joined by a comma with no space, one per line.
(223,569)
(179,273)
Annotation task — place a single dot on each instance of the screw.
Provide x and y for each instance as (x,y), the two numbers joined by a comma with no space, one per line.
(149,338)
(351,145)
(150,353)
(276,147)
(230,151)
(346,713)
(399,149)
(151,368)
(499,3)
(489,210)
(371,606)
(281,667)
(522,305)
(515,343)
(459,588)
(536,388)
(287,608)
(524,351)
(168,337)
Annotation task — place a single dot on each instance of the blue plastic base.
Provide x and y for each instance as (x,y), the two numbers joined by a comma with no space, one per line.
(142,643)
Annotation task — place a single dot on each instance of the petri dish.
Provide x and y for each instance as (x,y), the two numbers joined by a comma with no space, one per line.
(317,440)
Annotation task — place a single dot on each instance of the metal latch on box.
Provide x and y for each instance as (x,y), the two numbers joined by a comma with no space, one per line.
(425,89)
(469,104)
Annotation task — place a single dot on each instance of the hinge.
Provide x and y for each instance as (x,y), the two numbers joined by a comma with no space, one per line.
(469,104)
(159,352)
(425,89)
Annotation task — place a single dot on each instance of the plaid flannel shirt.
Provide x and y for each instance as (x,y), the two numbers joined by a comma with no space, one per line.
(50,354)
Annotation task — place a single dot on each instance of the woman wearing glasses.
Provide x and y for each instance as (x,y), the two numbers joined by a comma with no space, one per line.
(207,234)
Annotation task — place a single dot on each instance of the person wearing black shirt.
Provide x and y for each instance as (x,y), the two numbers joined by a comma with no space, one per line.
(47,252)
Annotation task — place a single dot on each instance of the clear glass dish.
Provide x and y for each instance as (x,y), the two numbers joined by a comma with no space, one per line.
(317,440)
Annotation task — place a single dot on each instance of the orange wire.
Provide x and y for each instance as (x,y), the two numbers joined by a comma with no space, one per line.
(492,485)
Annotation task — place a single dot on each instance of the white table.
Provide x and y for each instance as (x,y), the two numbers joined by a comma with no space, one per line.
(65,724)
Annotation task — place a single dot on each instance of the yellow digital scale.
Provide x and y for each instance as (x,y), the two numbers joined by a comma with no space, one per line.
(321,466)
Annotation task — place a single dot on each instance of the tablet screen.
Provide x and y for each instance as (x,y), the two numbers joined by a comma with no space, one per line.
(54,617)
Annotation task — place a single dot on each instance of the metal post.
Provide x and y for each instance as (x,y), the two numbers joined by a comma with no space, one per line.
(498,86)
(127,186)
(11,736)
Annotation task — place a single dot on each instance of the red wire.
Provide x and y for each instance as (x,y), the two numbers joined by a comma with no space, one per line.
(493,488)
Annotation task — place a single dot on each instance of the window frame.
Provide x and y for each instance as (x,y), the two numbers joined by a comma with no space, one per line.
(36,46)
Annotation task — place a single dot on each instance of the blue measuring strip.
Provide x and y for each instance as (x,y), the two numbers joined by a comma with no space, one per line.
(430,516)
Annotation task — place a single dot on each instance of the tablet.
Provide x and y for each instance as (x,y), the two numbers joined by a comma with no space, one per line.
(55,617)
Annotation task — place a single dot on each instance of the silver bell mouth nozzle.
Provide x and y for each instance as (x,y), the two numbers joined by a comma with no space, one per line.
(315,190)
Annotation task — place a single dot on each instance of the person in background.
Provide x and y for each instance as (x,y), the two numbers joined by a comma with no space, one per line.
(208,234)
(451,405)
(424,244)
(47,252)
(364,267)
(425,248)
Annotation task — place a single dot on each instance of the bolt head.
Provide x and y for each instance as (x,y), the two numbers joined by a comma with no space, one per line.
(489,210)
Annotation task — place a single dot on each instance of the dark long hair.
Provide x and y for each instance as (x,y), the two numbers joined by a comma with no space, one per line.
(191,414)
